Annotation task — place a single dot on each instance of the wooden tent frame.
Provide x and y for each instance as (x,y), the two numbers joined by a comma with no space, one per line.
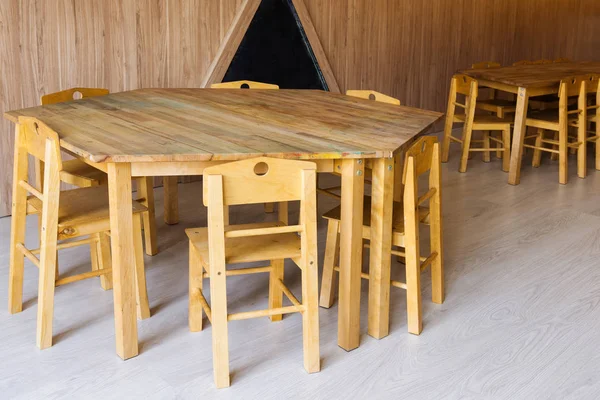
(218,68)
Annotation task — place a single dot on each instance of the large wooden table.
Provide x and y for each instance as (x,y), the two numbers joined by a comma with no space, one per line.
(171,132)
(527,81)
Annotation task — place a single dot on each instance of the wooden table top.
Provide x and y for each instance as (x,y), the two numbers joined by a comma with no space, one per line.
(217,124)
(533,75)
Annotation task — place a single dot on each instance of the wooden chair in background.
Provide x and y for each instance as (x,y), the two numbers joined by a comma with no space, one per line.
(560,120)
(421,158)
(468,87)
(65,215)
(367,95)
(255,181)
(80,174)
(269,207)
(493,104)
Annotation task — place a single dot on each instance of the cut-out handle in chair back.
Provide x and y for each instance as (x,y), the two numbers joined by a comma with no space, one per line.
(261,180)
(373,95)
(73,94)
(40,140)
(244,85)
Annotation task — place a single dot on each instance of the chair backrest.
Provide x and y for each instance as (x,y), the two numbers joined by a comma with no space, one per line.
(580,86)
(39,140)
(423,156)
(373,95)
(243,85)
(72,94)
(261,180)
(486,64)
(532,62)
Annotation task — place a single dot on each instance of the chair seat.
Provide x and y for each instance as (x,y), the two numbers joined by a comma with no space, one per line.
(398,216)
(493,104)
(251,248)
(82,209)
(487,120)
(80,171)
(547,116)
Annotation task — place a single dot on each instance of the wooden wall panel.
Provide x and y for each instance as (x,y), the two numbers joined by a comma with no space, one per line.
(405,48)
(51,45)
(410,48)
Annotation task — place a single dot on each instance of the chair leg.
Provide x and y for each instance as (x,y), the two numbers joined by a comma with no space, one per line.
(171,200)
(486,144)
(283,212)
(275,293)
(563,168)
(100,256)
(105,261)
(466,147)
(506,145)
(435,229)
(220,340)
(331,255)
(145,189)
(499,146)
(310,316)
(143,308)
(582,149)
(554,156)
(413,262)
(597,144)
(17,230)
(537,154)
(195,311)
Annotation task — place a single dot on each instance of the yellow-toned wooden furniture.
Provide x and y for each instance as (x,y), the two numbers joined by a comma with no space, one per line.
(560,120)
(243,85)
(500,107)
(373,95)
(367,95)
(337,132)
(468,87)
(66,216)
(255,181)
(80,174)
(269,207)
(421,158)
(547,101)
(528,81)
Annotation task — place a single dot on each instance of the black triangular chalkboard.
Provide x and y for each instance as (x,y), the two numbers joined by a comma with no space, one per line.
(276,50)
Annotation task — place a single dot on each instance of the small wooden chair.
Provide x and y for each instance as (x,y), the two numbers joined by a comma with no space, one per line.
(367,95)
(65,215)
(422,157)
(252,182)
(243,85)
(500,107)
(80,174)
(464,85)
(269,207)
(560,120)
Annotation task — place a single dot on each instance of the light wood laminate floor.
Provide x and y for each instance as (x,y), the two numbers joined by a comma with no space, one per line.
(521,318)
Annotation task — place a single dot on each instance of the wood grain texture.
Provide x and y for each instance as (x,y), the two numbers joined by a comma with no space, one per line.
(534,75)
(520,320)
(411,53)
(222,124)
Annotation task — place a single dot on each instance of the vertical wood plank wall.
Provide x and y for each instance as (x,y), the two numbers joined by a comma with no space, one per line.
(405,48)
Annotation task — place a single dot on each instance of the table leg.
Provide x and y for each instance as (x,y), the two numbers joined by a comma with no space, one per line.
(171,200)
(381,244)
(123,259)
(351,245)
(516,156)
